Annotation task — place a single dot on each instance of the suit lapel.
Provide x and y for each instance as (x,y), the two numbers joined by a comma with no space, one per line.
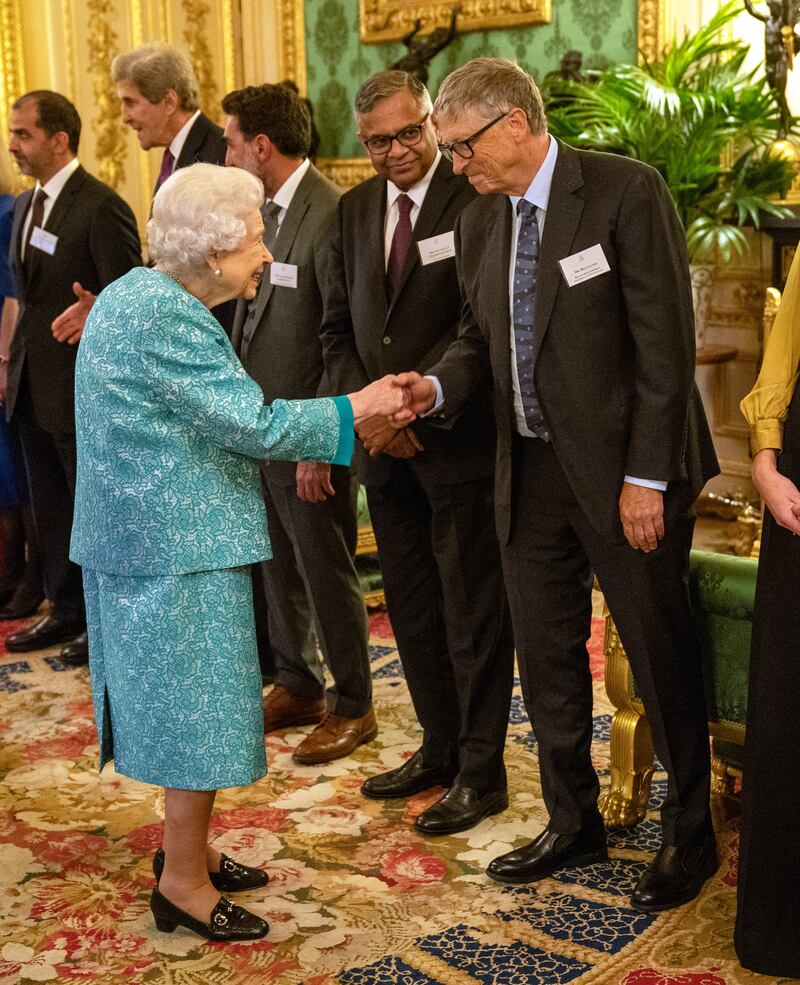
(564,210)
(20,211)
(497,247)
(55,220)
(440,191)
(374,208)
(194,141)
(286,237)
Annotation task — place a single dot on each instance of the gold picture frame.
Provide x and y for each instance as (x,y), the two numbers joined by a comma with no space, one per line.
(390,20)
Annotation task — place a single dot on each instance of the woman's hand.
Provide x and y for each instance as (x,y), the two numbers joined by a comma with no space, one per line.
(383,398)
(781,495)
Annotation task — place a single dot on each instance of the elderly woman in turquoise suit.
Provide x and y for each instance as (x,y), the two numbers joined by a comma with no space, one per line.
(169,517)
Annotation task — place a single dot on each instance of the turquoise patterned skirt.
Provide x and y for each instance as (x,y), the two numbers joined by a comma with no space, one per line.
(175,676)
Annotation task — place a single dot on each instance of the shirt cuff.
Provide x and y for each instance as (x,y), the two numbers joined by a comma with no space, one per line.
(766,434)
(647,483)
(439,401)
(347,438)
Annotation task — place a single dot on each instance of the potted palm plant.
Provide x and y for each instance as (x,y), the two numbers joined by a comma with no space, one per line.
(707,125)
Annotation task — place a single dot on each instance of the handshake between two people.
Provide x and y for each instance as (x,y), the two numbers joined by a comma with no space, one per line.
(384,409)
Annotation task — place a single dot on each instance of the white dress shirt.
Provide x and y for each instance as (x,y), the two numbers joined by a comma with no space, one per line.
(52,189)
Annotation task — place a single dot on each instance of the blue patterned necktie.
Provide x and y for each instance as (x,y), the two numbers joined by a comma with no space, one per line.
(525,269)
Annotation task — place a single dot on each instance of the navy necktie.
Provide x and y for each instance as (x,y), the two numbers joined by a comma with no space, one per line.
(525,270)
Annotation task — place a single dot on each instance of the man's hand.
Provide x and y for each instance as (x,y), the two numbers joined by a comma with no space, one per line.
(421,396)
(405,444)
(380,434)
(313,481)
(642,513)
(780,494)
(68,327)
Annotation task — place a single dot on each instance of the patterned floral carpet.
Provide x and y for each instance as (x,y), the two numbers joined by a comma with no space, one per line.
(355,896)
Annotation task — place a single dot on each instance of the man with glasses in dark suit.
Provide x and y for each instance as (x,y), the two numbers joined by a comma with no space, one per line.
(393,301)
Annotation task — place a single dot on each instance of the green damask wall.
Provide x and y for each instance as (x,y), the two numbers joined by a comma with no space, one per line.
(603,30)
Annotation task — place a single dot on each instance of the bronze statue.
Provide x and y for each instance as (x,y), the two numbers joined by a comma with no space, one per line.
(422,50)
(781,44)
(569,69)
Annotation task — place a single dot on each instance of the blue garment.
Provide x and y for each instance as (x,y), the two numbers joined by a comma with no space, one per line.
(183,683)
(169,432)
(7,286)
(12,474)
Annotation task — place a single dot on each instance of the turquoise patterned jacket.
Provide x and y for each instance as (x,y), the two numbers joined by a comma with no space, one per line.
(170,429)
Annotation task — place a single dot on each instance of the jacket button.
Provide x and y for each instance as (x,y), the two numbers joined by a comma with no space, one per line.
(387,340)
(247,336)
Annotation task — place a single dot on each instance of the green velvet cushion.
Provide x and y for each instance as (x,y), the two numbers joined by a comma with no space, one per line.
(363,511)
(722,590)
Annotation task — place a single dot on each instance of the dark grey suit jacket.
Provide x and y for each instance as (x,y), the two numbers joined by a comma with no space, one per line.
(97,242)
(280,327)
(614,354)
(364,336)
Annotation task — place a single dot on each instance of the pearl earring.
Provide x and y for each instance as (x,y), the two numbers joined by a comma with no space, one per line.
(217,272)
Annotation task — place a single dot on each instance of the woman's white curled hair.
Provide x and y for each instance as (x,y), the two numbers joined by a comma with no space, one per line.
(199,211)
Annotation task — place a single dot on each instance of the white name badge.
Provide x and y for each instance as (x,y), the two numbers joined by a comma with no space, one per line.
(43,240)
(283,274)
(584,265)
(436,248)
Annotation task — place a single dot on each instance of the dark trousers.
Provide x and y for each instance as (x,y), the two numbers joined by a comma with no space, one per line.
(51,463)
(549,563)
(444,589)
(313,595)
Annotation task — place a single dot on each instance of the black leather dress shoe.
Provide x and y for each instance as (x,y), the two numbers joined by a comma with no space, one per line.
(549,852)
(228,922)
(47,631)
(410,778)
(675,876)
(459,809)
(233,877)
(76,652)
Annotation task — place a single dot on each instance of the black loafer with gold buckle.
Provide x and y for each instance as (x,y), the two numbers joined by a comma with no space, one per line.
(233,877)
(228,922)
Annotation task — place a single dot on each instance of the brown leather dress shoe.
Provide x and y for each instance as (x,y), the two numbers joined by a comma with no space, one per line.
(282,709)
(335,737)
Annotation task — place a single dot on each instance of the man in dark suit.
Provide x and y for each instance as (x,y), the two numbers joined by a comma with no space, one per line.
(312,589)
(392,301)
(579,307)
(69,228)
(158,91)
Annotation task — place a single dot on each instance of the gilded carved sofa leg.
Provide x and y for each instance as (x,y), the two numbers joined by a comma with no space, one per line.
(723,778)
(624,805)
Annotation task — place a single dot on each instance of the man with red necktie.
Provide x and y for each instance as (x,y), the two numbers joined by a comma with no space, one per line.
(392,301)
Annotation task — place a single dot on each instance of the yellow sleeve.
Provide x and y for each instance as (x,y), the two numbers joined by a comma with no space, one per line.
(766,405)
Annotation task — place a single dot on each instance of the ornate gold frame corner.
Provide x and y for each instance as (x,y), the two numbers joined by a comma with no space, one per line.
(390,20)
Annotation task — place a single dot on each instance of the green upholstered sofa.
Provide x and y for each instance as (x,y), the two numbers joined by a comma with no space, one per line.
(367,566)
(722,589)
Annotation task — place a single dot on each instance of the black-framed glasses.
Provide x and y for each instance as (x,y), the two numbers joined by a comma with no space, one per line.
(409,136)
(463,148)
